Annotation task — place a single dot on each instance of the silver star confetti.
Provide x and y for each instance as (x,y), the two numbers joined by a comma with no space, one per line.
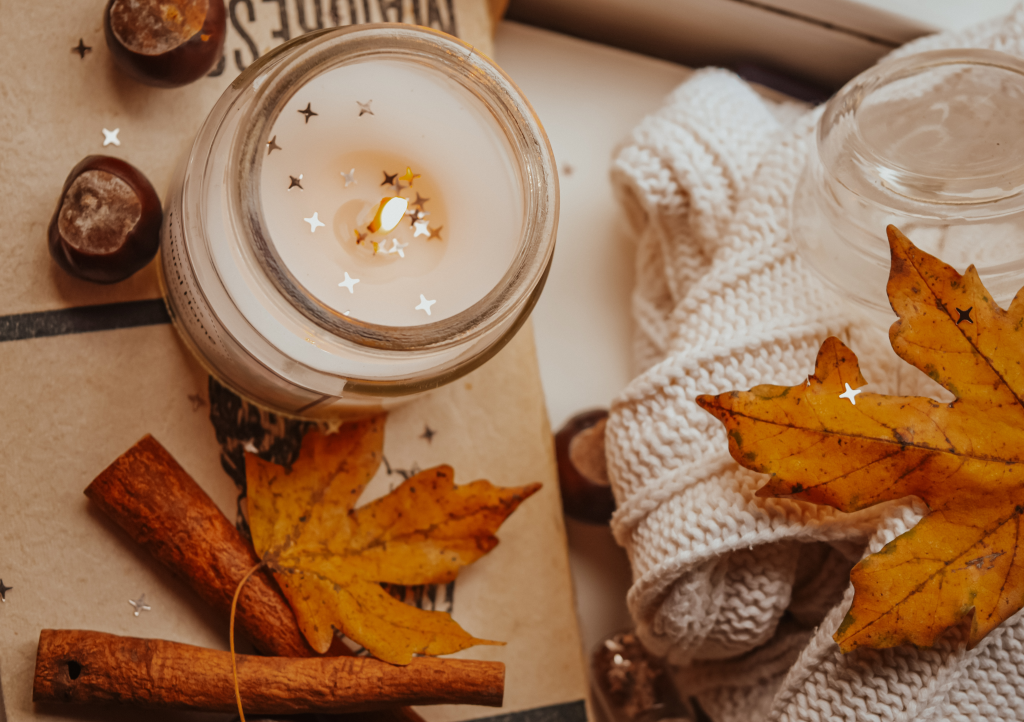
(850,394)
(140,605)
(397,247)
(421,229)
(349,177)
(314,223)
(364,107)
(110,137)
(425,304)
(349,283)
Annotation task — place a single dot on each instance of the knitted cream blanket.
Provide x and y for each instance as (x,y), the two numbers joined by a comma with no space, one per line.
(744,594)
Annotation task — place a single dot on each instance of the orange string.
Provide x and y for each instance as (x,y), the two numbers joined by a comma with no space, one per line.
(231,638)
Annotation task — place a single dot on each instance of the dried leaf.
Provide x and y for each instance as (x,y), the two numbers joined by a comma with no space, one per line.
(330,558)
(965,459)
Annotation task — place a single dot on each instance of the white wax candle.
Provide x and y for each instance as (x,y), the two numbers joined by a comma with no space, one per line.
(325,175)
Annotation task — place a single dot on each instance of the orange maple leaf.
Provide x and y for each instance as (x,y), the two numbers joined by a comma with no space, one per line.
(330,558)
(827,443)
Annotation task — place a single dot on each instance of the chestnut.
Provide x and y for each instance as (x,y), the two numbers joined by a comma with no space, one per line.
(582,471)
(107,223)
(166,43)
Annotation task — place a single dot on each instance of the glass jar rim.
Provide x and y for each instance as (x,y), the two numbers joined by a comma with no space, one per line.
(319,52)
(870,173)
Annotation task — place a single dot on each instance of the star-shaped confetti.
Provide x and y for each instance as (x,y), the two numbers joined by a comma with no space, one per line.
(421,229)
(389,178)
(3,591)
(296,182)
(435,233)
(197,401)
(420,200)
(308,111)
(428,434)
(409,176)
(360,237)
(850,394)
(965,316)
(81,48)
(349,177)
(364,107)
(349,283)
(140,605)
(425,304)
(314,222)
(110,137)
(272,145)
(397,247)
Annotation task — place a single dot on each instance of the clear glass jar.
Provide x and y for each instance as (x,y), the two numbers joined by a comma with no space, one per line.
(933,144)
(252,320)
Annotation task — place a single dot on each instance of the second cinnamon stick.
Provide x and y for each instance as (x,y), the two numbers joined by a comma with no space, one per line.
(96,668)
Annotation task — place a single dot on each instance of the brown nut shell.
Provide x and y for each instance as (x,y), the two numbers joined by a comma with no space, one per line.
(165,43)
(107,222)
(582,471)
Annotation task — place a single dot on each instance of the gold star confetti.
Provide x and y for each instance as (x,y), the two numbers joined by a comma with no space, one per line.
(409,176)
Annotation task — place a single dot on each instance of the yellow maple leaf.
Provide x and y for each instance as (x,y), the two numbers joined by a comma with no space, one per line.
(826,442)
(330,558)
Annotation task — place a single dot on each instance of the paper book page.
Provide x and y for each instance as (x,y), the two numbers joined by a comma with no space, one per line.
(75,400)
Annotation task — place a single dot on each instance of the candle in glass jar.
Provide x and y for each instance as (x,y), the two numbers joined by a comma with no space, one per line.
(360,134)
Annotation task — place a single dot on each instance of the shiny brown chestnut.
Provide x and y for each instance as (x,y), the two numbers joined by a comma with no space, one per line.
(582,471)
(107,223)
(166,43)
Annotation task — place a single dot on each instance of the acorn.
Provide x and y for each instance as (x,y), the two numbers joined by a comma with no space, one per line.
(166,43)
(582,470)
(107,223)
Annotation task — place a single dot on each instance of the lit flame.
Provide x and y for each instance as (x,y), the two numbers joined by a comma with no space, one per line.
(390,212)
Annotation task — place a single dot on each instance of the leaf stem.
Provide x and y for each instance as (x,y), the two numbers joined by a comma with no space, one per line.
(231,638)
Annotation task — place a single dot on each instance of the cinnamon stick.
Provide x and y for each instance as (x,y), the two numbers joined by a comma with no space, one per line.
(147,493)
(96,668)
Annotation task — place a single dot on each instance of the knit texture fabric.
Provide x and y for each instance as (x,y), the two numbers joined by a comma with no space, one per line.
(743,594)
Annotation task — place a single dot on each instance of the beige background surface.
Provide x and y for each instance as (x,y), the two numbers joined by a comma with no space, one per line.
(73,403)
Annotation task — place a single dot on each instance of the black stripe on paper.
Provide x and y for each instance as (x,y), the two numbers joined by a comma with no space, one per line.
(567,712)
(83,319)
